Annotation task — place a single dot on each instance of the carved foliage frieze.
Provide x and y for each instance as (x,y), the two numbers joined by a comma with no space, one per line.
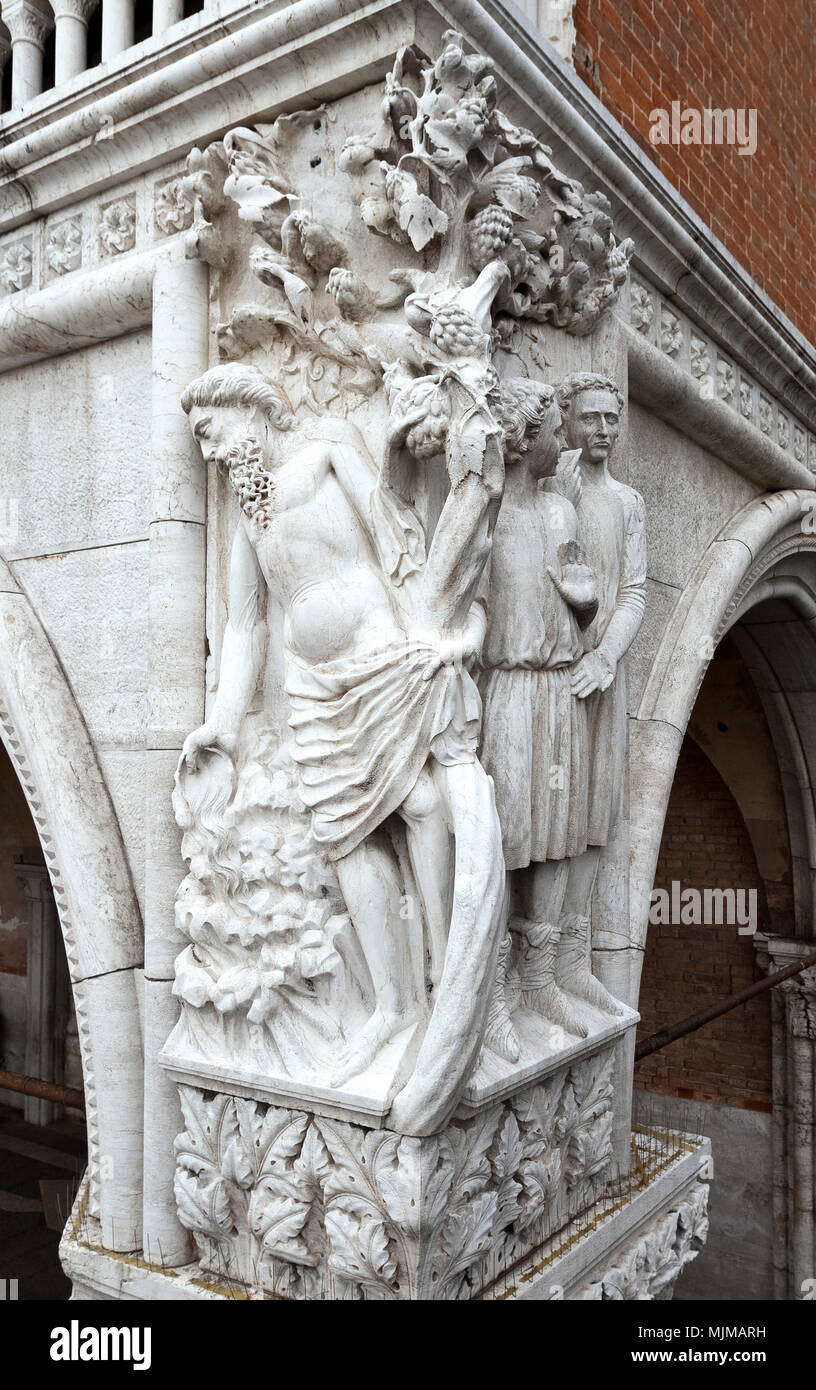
(308,1207)
(648,1268)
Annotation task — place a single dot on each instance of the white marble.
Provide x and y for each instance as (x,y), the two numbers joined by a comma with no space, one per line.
(399,453)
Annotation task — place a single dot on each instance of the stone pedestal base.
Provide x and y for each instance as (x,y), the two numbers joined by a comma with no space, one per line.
(522,1195)
(631,1245)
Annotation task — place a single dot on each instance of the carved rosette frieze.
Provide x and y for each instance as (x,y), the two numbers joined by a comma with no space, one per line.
(63,246)
(700,358)
(173,207)
(307,1207)
(649,1267)
(671,333)
(16,266)
(117,227)
(716,374)
(641,311)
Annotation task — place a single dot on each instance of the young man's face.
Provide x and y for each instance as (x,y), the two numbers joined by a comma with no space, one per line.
(542,457)
(593,424)
(218,429)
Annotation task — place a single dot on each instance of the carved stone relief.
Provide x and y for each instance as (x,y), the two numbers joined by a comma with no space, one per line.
(307,1207)
(117,227)
(332,946)
(650,1266)
(15,266)
(64,246)
(388,904)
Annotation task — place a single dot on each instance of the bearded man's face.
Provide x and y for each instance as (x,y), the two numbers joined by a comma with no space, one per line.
(221,431)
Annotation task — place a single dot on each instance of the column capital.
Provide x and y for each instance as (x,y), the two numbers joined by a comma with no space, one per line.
(27,22)
(74,9)
(34,879)
(800,1005)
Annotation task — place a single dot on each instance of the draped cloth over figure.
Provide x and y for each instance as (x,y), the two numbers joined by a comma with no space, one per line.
(613,533)
(362,731)
(532,639)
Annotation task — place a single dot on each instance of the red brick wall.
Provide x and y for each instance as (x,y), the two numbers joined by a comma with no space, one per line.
(705,845)
(723,54)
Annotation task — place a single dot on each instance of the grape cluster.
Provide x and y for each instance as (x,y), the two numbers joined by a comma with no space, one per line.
(428,436)
(454,331)
(488,235)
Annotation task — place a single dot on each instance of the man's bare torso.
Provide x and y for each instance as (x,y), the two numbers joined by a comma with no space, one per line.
(317,557)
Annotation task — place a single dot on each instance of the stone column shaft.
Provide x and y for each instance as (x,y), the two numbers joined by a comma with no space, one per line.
(176,705)
(29,26)
(166,13)
(794,1123)
(118,27)
(71,55)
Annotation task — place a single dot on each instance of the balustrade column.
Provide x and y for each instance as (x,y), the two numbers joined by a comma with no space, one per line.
(166,13)
(5,55)
(29,26)
(118,27)
(71,54)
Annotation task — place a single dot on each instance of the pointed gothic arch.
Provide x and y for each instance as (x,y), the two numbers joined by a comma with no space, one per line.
(46,738)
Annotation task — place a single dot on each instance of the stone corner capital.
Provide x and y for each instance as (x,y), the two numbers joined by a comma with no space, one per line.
(27,21)
(74,9)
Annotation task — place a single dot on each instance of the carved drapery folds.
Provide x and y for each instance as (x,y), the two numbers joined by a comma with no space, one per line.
(381,288)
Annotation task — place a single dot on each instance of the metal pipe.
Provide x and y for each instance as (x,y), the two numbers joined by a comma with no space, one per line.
(43,1090)
(690,1025)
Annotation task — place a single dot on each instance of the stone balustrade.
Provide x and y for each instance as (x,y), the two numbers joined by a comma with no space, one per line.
(25,26)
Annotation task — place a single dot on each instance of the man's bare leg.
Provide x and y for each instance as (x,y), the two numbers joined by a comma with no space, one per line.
(430,848)
(546,886)
(454,1035)
(583,871)
(372,888)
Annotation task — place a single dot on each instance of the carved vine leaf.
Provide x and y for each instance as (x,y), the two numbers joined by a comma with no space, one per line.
(416,214)
(663,1259)
(587,1119)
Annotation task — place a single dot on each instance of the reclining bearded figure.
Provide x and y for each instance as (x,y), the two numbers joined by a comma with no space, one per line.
(383,716)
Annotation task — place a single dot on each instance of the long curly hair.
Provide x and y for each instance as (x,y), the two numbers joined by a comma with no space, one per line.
(234,384)
(524,407)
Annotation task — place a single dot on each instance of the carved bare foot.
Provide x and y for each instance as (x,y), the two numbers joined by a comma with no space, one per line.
(361,1051)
